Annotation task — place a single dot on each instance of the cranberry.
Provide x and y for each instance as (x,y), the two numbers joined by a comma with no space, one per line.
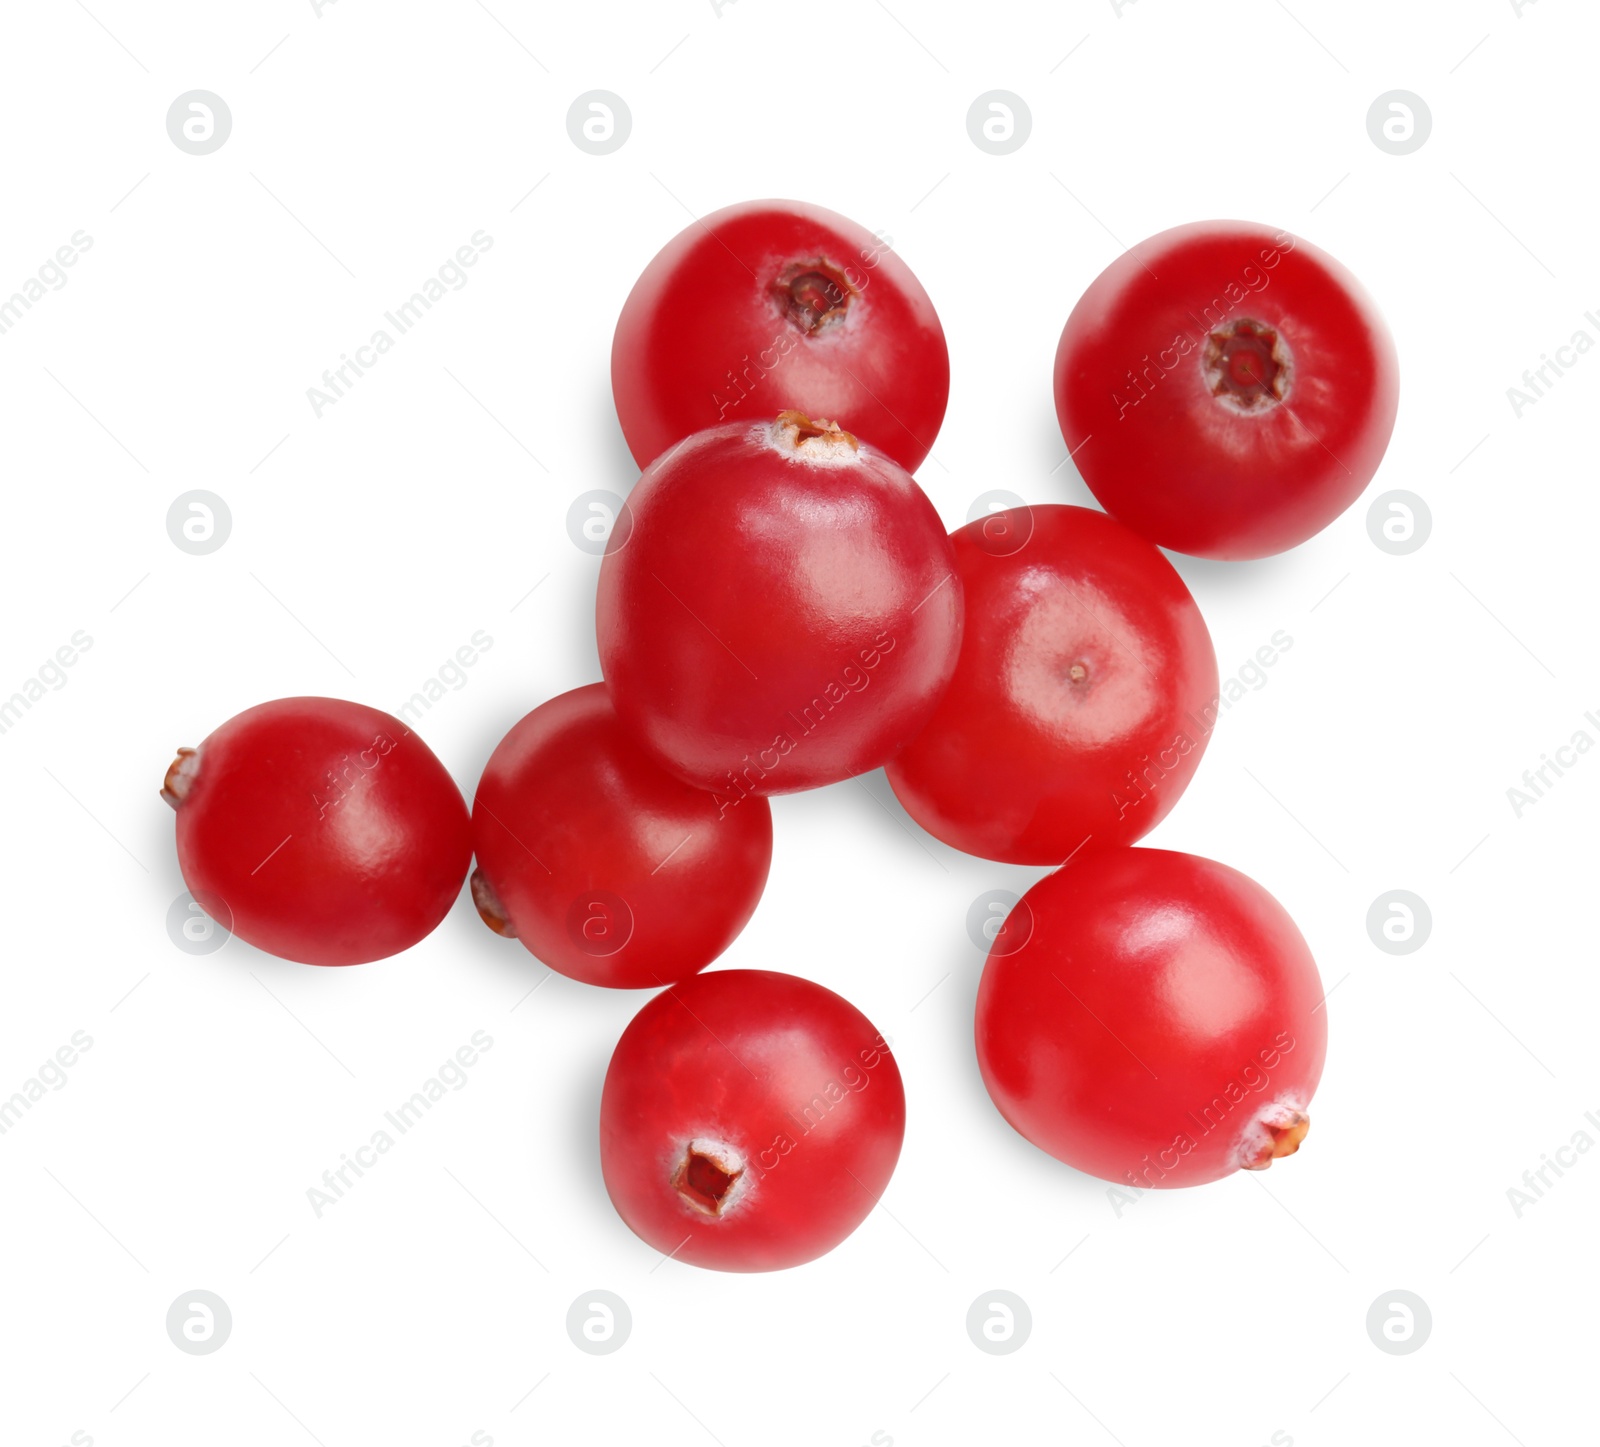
(1162,1025)
(749,1120)
(1083,699)
(1226,389)
(319,830)
(784,610)
(604,866)
(775,304)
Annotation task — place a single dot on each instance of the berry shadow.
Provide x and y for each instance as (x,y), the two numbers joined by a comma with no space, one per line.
(1222,578)
(1062,482)
(607,441)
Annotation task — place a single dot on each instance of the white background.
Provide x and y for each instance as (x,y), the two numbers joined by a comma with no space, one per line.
(370,142)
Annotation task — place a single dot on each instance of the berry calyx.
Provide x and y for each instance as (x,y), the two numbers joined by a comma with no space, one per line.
(489,908)
(794,432)
(709,1175)
(1247,366)
(813,295)
(180,776)
(1283,1133)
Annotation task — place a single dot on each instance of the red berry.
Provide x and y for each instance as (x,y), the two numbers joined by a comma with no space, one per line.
(782,611)
(775,304)
(1083,698)
(319,830)
(1226,389)
(1161,1024)
(749,1120)
(606,867)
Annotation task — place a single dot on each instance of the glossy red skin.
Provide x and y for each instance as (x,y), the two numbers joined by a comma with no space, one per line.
(322,831)
(1174,462)
(704,307)
(570,807)
(789,1074)
(1019,762)
(751,588)
(1153,988)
